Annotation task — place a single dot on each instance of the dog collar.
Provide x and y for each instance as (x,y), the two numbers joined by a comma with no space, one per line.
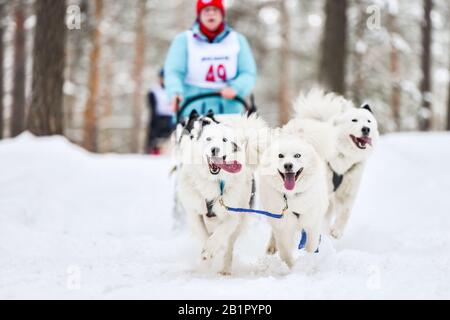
(222,187)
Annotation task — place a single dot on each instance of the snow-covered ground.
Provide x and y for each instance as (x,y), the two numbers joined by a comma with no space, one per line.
(76,225)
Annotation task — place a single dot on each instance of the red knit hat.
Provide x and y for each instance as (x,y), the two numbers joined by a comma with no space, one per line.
(201,4)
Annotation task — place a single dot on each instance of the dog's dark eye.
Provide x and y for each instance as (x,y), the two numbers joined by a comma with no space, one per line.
(298,156)
(225,140)
(208,139)
(281,156)
(369,121)
(355,120)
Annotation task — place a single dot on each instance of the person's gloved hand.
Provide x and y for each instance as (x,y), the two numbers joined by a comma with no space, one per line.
(228,93)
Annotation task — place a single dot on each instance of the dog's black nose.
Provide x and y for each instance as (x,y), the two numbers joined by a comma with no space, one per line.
(215,151)
(288,167)
(365,131)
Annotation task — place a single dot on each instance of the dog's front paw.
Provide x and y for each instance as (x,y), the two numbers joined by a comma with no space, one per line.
(336,233)
(271,250)
(207,254)
(211,249)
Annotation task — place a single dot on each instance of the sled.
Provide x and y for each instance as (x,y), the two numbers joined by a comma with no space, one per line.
(248,108)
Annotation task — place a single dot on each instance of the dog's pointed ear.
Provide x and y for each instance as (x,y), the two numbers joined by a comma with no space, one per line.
(194,115)
(367,107)
(210,115)
(192,118)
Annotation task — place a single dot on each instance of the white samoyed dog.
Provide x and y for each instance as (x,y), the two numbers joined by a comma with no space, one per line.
(345,137)
(215,170)
(293,181)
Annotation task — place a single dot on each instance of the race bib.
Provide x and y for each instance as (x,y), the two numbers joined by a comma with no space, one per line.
(211,65)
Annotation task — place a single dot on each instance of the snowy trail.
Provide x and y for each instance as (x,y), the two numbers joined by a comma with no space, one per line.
(76,225)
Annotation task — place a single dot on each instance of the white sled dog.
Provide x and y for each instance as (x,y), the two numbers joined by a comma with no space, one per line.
(293,181)
(345,137)
(214,167)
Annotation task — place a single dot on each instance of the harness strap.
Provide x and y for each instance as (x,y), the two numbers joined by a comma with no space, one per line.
(264,213)
(339,178)
(222,187)
(244,210)
(303,237)
(209,208)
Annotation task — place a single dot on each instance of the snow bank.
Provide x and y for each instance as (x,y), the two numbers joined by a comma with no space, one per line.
(77,225)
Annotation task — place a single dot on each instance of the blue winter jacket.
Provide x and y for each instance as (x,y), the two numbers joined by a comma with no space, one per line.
(175,70)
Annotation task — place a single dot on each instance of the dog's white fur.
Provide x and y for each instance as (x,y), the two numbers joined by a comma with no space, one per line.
(196,184)
(327,121)
(307,202)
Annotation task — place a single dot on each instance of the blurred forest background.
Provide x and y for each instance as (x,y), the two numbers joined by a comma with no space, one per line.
(82,68)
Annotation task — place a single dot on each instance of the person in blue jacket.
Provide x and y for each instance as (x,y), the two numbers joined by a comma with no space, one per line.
(210,57)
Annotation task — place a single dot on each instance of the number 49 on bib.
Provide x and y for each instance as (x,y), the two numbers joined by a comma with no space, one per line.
(216,73)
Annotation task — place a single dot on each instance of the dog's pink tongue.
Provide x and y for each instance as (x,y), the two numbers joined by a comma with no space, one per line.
(289,181)
(231,167)
(367,140)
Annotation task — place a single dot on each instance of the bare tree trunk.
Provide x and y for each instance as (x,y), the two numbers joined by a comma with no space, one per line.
(334,47)
(46,110)
(109,74)
(284,80)
(2,17)
(426,84)
(394,68)
(90,114)
(18,105)
(138,100)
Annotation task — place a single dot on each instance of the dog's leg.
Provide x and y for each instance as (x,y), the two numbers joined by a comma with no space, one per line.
(330,215)
(284,240)
(313,239)
(337,230)
(198,226)
(345,198)
(220,237)
(228,259)
(272,247)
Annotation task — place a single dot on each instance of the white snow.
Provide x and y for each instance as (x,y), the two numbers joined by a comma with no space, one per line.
(75,225)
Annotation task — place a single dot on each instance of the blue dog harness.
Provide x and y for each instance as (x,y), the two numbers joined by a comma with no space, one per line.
(303,236)
(243,210)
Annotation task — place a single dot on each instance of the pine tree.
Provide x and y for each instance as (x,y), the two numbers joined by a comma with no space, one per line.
(46,110)
(90,134)
(334,46)
(18,107)
(426,84)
